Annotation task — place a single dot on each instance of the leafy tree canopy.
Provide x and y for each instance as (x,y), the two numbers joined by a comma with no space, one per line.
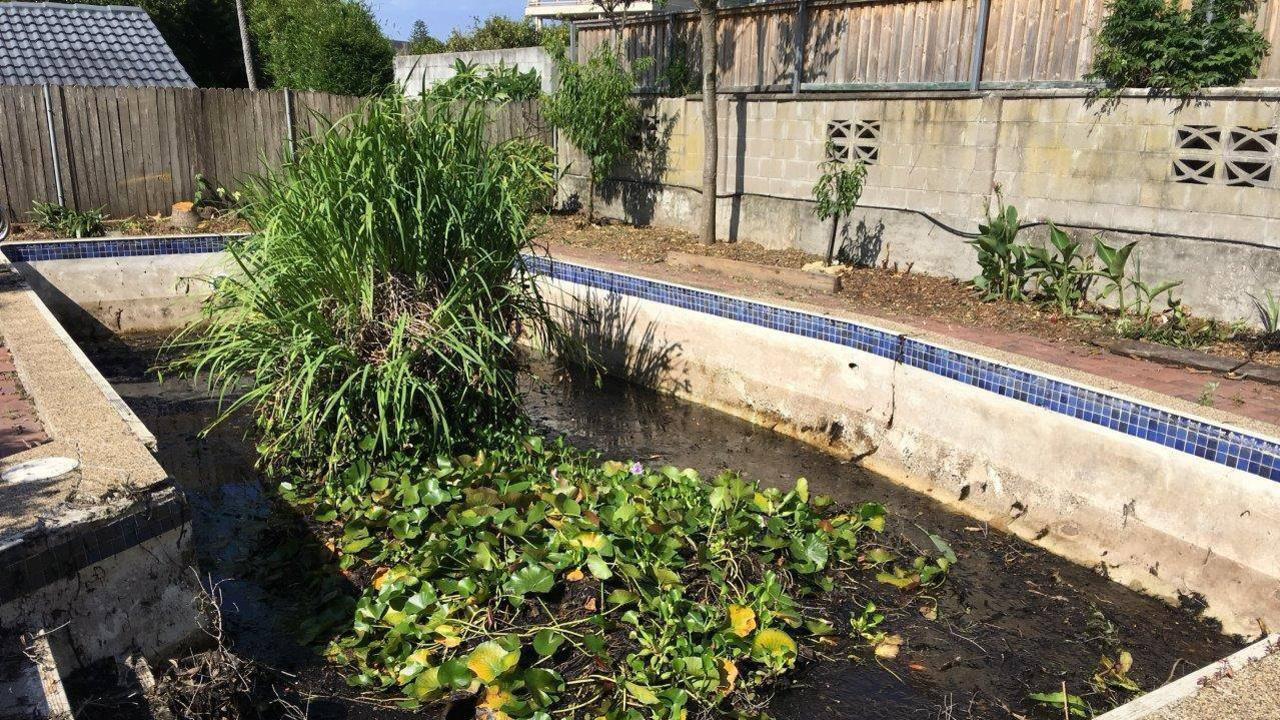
(326,45)
(1162,45)
(421,42)
(495,33)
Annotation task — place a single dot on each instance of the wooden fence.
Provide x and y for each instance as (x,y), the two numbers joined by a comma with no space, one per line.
(866,44)
(138,150)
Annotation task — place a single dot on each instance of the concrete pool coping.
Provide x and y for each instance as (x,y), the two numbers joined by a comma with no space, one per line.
(1238,687)
(84,417)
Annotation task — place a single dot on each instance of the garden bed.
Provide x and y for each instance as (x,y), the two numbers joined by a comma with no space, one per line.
(1010,619)
(221,223)
(893,292)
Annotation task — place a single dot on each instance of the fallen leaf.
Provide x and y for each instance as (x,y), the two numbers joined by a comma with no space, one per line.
(888,648)
(574,575)
(590,604)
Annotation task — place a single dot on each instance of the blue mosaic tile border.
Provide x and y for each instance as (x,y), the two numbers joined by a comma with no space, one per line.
(111,247)
(1215,443)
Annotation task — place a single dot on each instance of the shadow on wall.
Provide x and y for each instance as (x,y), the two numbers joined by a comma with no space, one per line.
(602,332)
(640,180)
(862,249)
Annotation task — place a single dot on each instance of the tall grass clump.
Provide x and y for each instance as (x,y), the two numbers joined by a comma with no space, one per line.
(377,302)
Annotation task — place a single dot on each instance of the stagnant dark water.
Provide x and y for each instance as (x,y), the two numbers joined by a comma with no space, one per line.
(1011,618)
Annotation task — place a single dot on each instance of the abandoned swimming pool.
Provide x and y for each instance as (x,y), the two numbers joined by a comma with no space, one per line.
(1011,619)
(1081,472)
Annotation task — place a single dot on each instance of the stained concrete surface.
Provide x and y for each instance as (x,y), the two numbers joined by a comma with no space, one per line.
(84,419)
(1250,693)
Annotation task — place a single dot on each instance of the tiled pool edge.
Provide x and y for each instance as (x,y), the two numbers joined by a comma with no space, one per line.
(1212,441)
(1217,443)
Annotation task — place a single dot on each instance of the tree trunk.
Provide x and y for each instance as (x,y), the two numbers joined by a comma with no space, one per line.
(710,128)
(245,46)
(591,198)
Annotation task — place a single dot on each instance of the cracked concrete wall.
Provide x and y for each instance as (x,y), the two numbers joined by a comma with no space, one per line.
(140,600)
(1161,522)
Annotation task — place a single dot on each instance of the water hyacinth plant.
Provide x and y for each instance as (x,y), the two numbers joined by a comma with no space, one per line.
(541,582)
(376,304)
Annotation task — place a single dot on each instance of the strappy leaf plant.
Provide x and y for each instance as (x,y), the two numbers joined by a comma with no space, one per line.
(375,307)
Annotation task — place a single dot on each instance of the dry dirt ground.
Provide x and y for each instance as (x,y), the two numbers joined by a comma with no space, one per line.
(905,296)
(223,223)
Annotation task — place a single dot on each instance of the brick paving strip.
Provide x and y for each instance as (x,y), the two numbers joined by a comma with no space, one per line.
(1218,396)
(20,426)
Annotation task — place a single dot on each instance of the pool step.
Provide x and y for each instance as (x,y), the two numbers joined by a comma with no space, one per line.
(30,686)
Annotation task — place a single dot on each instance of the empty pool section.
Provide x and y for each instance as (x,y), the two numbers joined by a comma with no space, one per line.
(1141,487)
(94,539)
(1172,499)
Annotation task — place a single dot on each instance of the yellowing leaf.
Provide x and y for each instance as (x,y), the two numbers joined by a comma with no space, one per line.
(490,660)
(730,675)
(590,541)
(380,578)
(774,642)
(742,620)
(642,693)
(495,698)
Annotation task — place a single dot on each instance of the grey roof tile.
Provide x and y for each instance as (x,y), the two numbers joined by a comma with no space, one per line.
(84,45)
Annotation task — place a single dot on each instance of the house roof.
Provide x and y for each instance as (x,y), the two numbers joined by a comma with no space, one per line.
(63,44)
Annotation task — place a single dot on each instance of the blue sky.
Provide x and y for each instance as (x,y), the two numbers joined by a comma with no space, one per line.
(442,16)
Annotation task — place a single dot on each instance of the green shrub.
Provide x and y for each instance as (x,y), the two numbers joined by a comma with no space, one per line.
(496,83)
(380,292)
(541,579)
(68,222)
(594,109)
(1159,44)
(330,46)
(495,33)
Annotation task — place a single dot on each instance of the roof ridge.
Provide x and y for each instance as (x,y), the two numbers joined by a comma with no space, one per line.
(74,6)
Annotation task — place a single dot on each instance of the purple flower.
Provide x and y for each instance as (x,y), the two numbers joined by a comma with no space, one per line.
(637,469)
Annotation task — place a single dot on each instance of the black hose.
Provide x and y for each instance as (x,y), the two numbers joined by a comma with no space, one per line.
(966,234)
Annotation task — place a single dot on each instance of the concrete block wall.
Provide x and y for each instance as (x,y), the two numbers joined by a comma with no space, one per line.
(1056,155)
(416,72)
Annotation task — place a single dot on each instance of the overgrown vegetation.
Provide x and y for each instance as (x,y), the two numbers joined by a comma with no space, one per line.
(594,109)
(1176,48)
(371,331)
(538,578)
(380,294)
(500,33)
(495,83)
(68,222)
(1108,282)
